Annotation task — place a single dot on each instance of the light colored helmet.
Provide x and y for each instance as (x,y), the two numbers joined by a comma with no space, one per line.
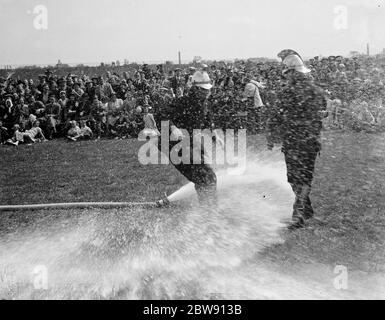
(138,109)
(293,62)
(201,79)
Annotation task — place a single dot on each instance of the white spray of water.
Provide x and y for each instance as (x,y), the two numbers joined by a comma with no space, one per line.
(175,253)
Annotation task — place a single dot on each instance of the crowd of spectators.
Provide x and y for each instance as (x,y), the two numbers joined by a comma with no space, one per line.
(117,105)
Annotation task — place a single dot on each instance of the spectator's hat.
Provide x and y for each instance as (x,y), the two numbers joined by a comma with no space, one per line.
(61,92)
(294,62)
(42,76)
(201,79)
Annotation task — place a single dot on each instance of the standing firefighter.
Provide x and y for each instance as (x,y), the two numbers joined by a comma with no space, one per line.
(298,119)
(189,112)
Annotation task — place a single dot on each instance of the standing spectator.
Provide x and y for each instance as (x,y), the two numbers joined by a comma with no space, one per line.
(44,96)
(114,107)
(150,128)
(105,90)
(52,116)
(177,82)
(98,115)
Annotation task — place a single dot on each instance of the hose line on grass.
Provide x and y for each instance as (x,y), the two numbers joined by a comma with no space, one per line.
(78,205)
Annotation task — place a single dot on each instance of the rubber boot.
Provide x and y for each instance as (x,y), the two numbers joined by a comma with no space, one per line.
(298,219)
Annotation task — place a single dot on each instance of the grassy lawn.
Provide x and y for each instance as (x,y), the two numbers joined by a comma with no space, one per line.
(349,229)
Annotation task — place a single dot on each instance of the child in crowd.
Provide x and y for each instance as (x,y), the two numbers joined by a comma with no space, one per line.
(150,129)
(85,131)
(74,131)
(17,136)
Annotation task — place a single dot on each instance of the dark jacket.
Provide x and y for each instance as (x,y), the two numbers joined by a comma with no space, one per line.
(297,115)
(186,112)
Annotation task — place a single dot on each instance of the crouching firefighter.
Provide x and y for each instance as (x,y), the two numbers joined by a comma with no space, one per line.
(297,117)
(189,113)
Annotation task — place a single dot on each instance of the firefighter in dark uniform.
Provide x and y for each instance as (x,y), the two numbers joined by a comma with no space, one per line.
(189,112)
(297,117)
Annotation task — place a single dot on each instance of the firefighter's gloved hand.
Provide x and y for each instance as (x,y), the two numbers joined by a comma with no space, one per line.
(176,134)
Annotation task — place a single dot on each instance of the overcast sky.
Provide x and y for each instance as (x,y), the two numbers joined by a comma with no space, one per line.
(86,31)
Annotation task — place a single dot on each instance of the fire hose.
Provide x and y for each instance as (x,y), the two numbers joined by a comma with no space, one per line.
(78,205)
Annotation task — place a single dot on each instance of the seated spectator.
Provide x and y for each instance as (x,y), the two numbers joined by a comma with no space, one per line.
(136,122)
(35,107)
(35,134)
(74,132)
(123,126)
(17,136)
(85,131)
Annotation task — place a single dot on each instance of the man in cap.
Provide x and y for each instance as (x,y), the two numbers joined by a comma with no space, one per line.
(42,82)
(298,114)
(188,78)
(189,112)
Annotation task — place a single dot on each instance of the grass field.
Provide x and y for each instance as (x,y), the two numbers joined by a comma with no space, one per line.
(349,229)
